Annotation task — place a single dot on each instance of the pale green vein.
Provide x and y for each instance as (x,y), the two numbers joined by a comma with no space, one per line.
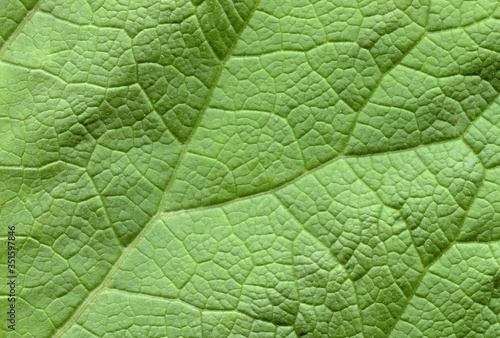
(92,295)
(307,172)
(19,28)
(178,300)
(436,258)
(388,71)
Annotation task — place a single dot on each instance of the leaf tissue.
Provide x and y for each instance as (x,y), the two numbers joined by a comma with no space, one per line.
(246,168)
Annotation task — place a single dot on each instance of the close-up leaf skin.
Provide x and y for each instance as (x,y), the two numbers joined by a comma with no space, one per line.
(247,168)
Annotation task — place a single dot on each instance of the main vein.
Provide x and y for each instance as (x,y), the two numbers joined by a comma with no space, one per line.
(94,293)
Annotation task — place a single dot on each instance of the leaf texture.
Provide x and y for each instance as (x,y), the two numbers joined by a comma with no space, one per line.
(217,168)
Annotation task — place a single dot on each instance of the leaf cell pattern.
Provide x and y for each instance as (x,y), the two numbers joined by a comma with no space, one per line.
(216,168)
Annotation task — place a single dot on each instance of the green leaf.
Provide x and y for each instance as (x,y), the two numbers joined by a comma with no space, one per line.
(285,168)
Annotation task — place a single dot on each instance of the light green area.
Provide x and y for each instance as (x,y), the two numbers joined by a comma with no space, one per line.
(204,168)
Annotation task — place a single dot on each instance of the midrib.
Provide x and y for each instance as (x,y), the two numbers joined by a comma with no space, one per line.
(126,251)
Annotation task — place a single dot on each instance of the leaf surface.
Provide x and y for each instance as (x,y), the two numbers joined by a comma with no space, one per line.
(209,168)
